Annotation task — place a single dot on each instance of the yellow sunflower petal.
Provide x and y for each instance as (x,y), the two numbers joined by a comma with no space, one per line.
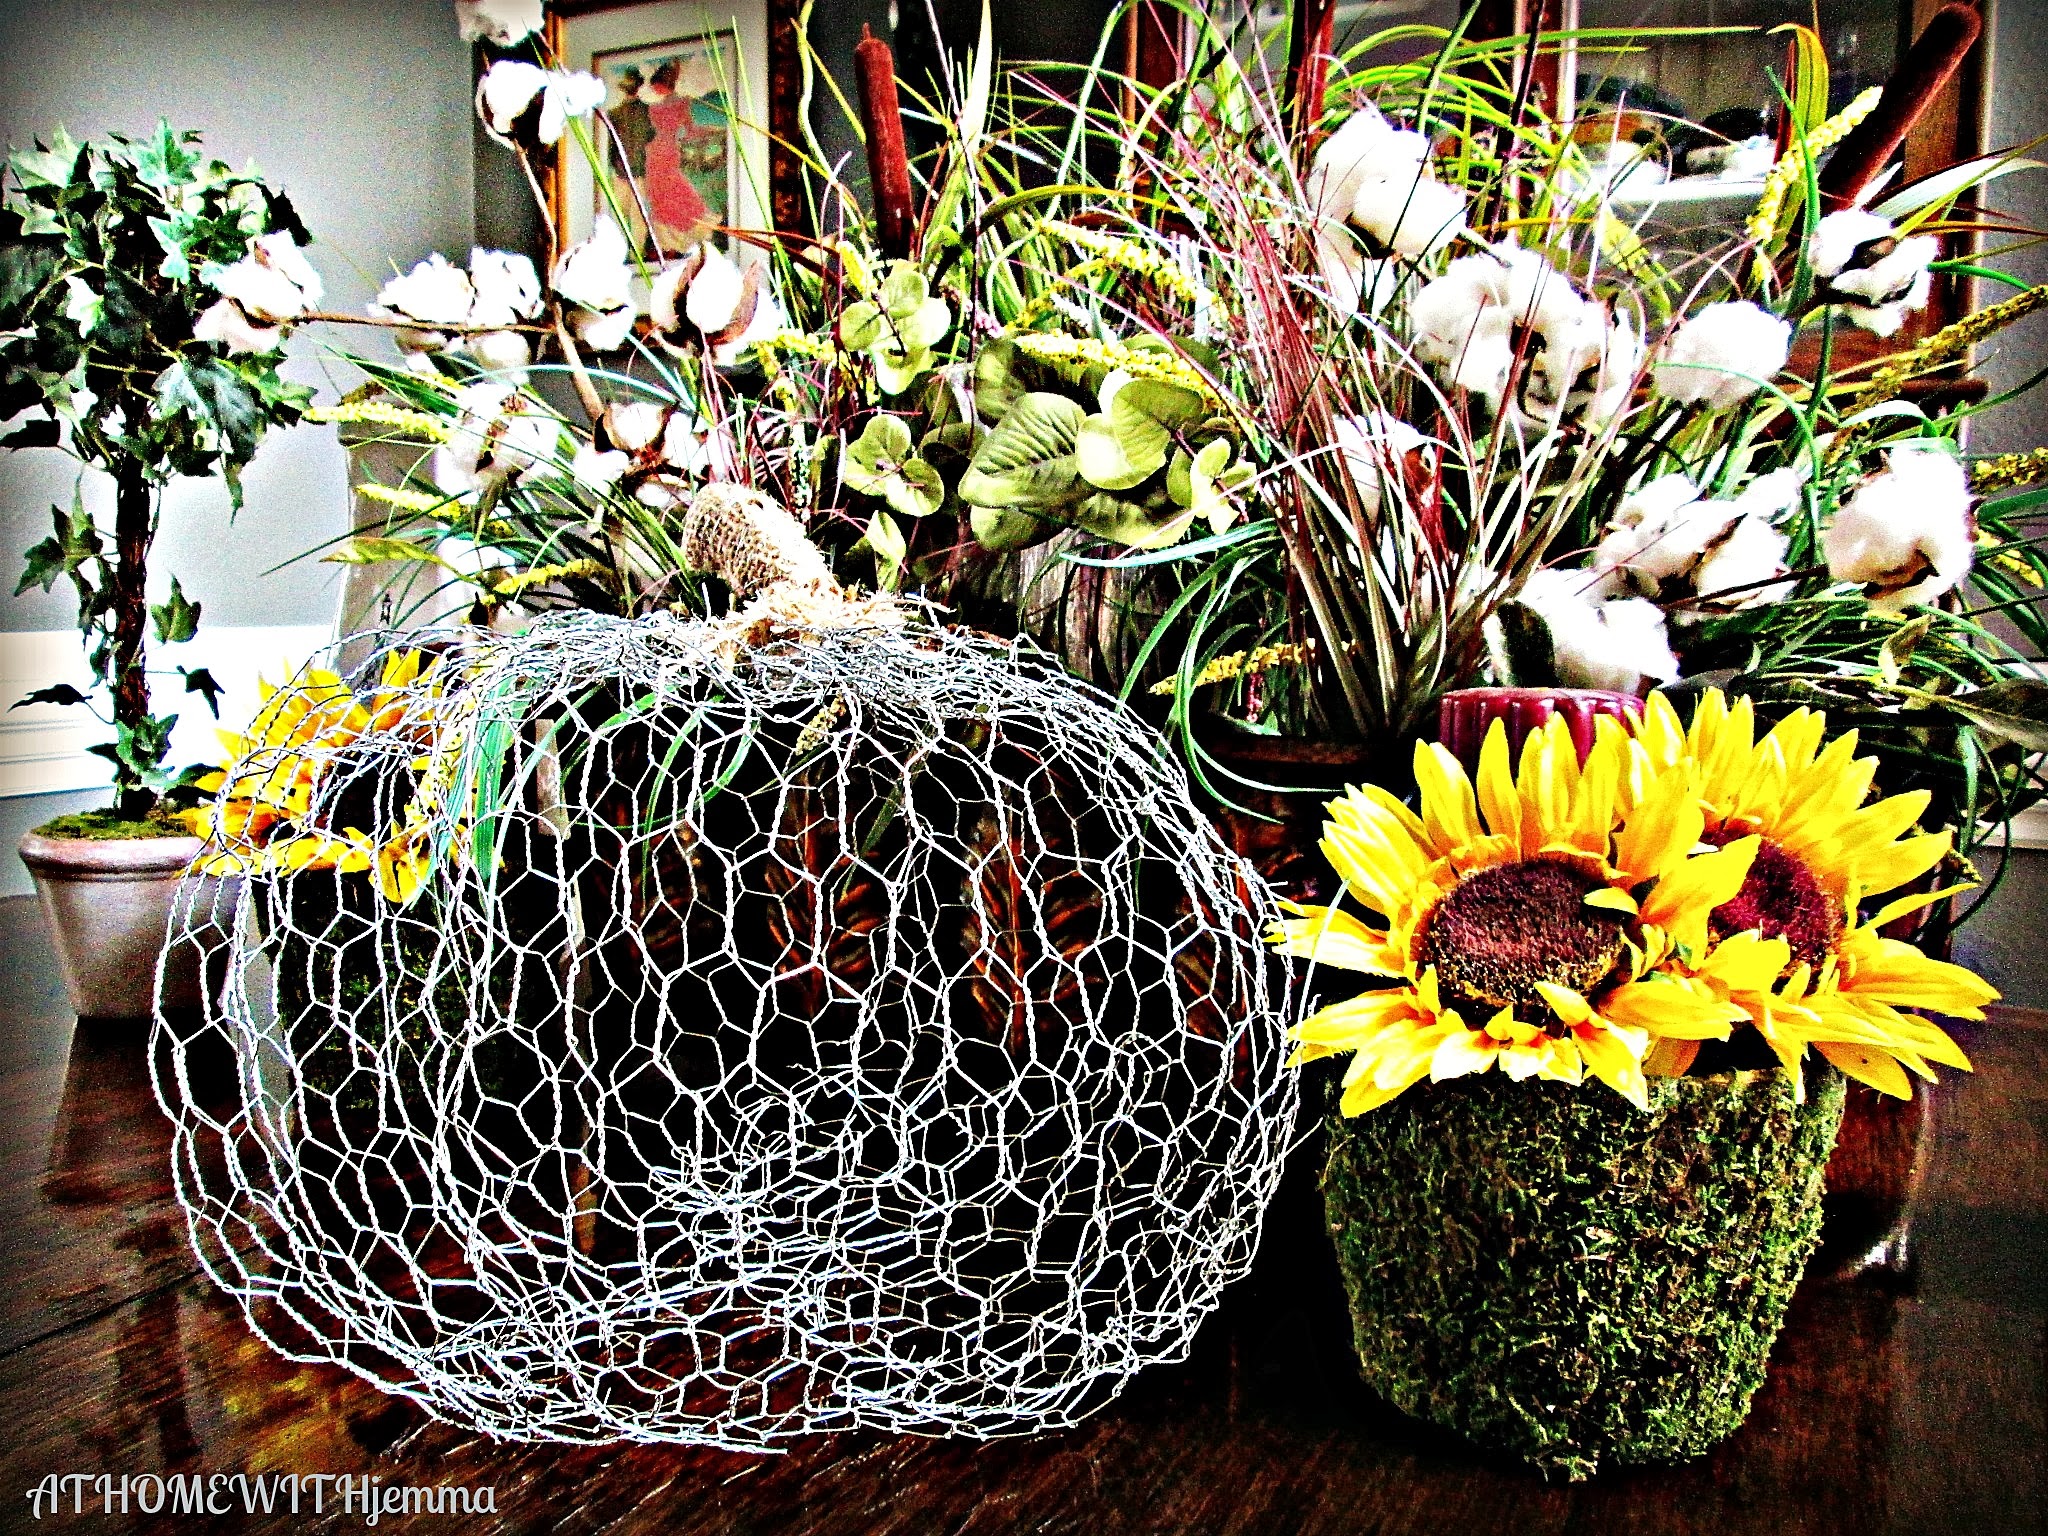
(1662,831)
(1868,1066)
(1450,815)
(1669,1008)
(1684,898)
(1498,799)
(1329,936)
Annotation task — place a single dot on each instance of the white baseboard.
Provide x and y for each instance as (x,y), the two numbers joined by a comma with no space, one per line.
(43,747)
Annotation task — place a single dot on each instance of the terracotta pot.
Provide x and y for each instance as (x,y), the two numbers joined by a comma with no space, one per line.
(108,905)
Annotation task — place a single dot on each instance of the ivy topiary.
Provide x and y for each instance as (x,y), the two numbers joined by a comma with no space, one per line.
(1553,1273)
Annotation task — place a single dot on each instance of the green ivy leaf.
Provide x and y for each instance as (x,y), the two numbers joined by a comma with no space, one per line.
(82,307)
(56,693)
(176,618)
(200,681)
(49,166)
(1028,460)
(163,160)
(207,390)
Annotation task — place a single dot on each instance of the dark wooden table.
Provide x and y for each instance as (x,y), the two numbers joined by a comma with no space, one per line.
(1911,1404)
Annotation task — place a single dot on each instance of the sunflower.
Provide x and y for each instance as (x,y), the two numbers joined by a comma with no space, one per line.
(266,820)
(1522,920)
(1809,972)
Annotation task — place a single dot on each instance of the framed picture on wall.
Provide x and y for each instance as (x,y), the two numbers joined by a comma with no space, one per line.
(701,95)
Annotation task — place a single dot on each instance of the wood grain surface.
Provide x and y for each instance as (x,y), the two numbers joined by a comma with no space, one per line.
(1906,1404)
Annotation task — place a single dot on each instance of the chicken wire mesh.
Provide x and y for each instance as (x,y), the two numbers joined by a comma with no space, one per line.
(626,1031)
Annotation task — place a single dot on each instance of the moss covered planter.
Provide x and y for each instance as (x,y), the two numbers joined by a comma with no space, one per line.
(1554,1273)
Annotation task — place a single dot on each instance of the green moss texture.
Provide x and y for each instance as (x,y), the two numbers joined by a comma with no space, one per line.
(1554,1273)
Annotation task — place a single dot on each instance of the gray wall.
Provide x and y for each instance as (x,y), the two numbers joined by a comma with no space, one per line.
(2017,114)
(360,109)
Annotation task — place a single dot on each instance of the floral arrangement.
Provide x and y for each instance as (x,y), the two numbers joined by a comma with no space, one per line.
(1281,404)
(1566,920)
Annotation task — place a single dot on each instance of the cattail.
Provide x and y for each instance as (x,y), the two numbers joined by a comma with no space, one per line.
(888,159)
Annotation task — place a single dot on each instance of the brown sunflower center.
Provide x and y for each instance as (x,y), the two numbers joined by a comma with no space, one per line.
(1502,930)
(1782,900)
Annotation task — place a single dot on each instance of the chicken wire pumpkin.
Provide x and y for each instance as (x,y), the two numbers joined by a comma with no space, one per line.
(782,1027)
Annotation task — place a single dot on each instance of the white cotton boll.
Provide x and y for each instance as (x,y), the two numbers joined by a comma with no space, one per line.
(1657,532)
(567,95)
(280,250)
(1906,535)
(1751,552)
(504,352)
(1365,146)
(665,293)
(593,273)
(506,287)
(604,332)
(1460,325)
(1602,392)
(1413,217)
(505,92)
(634,424)
(1837,238)
(224,323)
(503,22)
(1772,495)
(1372,447)
(499,436)
(686,446)
(262,289)
(598,469)
(1877,277)
(1723,355)
(1599,644)
(713,298)
(434,291)
(768,322)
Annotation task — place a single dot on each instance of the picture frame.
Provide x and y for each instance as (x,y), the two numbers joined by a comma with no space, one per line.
(704,96)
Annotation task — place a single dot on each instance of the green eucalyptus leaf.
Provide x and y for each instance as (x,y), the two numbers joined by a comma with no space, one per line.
(904,290)
(1028,460)
(926,326)
(1172,406)
(1205,498)
(889,545)
(997,386)
(897,371)
(860,325)
(917,490)
(1101,457)
(1131,524)
(872,457)
(1001,529)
